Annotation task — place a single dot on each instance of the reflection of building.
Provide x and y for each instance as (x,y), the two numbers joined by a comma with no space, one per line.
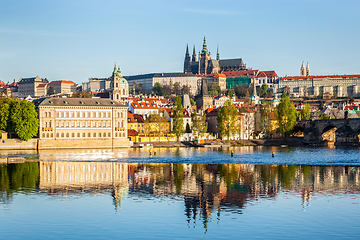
(82,123)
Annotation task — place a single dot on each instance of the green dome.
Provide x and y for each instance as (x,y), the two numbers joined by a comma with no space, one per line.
(123,80)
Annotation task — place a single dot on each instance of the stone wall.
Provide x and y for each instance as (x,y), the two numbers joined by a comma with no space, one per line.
(7,144)
(83,143)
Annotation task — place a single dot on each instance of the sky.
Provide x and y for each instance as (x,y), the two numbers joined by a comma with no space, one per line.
(75,40)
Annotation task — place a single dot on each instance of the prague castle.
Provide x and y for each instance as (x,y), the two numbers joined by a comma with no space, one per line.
(206,65)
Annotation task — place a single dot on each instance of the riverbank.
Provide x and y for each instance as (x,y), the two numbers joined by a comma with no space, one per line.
(288,141)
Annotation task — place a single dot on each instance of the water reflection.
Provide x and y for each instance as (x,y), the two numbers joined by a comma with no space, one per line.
(205,189)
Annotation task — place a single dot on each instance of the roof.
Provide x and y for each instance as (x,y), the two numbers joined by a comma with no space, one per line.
(267,74)
(81,102)
(144,105)
(231,62)
(42,85)
(62,81)
(319,77)
(132,132)
(158,75)
(244,73)
(135,118)
(171,113)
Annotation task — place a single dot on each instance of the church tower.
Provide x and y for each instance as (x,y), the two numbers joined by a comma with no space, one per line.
(302,70)
(187,63)
(204,58)
(203,99)
(307,70)
(194,59)
(217,54)
(119,85)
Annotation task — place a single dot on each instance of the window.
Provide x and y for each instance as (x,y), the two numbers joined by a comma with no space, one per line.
(49,114)
(109,135)
(104,134)
(78,135)
(89,135)
(62,135)
(67,135)
(52,135)
(99,134)
(115,134)
(94,135)
(57,135)
(73,135)
(83,135)
(43,135)
(45,114)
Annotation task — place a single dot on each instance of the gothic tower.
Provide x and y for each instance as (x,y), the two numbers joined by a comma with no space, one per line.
(217,54)
(307,70)
(204,58)
(194,59)
(302,70)
(187,63)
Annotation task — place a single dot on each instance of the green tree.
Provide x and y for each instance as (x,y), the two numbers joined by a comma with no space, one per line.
(178,118)
(158,89)
(176,89)
(305,112)
(264,90)
(213,88)
(199,124)
(4,115)
(188,130)
(23,119)
(50,90)
(230,92)
(227,119)
(323,116)
(286,115)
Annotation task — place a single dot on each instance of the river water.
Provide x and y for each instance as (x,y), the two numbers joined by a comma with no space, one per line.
(181,193)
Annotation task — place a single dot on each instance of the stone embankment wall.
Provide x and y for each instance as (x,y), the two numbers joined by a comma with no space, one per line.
(35,143)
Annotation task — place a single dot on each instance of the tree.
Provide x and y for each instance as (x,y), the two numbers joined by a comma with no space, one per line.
(4,115)
(287,90)
(305,112)
(241,91)
(188,130)
(264,90)
(213,88)
(156,124)
(230,92)
(176,88)
(185,89)
(227,119)
(198,124)
(82,94)
(265,119)
(23,119)
(178,118)
(286,115)
(167,90)
(50,90)
(158,89)
(137,87)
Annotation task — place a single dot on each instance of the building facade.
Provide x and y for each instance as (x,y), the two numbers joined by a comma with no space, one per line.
(29,86)
(82,123)
(63,86)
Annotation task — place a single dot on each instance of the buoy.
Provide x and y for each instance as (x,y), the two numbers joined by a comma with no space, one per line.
(154,153)
(232,153)
(273,154)
(150,151)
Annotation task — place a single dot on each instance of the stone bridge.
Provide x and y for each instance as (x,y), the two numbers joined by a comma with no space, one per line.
(332,131)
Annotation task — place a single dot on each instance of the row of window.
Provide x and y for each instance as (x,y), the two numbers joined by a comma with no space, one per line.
(84,114)
(84,124)
(78,135)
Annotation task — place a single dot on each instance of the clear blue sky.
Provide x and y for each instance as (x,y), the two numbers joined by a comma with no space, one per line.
(75,40)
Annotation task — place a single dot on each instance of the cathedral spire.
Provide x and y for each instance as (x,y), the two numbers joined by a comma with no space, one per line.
(194,59)
(217,54)
(302,70)
(307,70)
(187,63)
(204,49)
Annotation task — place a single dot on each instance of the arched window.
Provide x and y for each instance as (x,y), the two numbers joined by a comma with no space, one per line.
(49,124)
(67,135)
(45,114)
(123,91)
(52,135)
(117,96)
(99,134)
(88,134)
(104,134)
(83,135)
(73,135)
(108,134)
(43,135)
(94,135)
(47,135)
(115,134)
(62,135)
(121,114)
(57,135)
(117,85)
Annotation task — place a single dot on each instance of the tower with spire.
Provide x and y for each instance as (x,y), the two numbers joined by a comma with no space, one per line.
(119,85)
(217,54)
(187,62)
(194,59)
(204,58)
(307,70)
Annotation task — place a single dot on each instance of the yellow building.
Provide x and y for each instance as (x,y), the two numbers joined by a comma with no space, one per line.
(82,123)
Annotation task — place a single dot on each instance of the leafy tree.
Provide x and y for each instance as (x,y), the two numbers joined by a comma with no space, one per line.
(241,91)
(199,124)
(286,115)
(230,92)
(213,88)
(185,89)
(323,116)
(137,87)
(192,101)
(305,112)
(178,120)
(227,119)
(287,90)
(264,90)
(50,90)
(265,119)
(167,90)
(158,89)
(82,94)
(156,124)
(24,119)
(176,89)
(4,115)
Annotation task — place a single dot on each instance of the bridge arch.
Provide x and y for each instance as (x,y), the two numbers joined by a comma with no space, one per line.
(328,133)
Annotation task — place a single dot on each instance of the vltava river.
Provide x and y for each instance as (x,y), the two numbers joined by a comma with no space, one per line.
(180,193)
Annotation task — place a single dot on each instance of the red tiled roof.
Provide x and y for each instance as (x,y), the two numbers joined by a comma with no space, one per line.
(171,113)
(132,132)
(135,118)
(244,73)
(267,74)
(144,105)
(62,81)
(42,85)
(320,76)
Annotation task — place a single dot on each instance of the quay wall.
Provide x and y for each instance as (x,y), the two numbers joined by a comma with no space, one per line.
(35,143)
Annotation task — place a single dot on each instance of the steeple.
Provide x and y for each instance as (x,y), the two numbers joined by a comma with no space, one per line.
(217,54)
(115,71)
(194,56)
(307,70)
(187,63)
(204,49)
(302,70)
